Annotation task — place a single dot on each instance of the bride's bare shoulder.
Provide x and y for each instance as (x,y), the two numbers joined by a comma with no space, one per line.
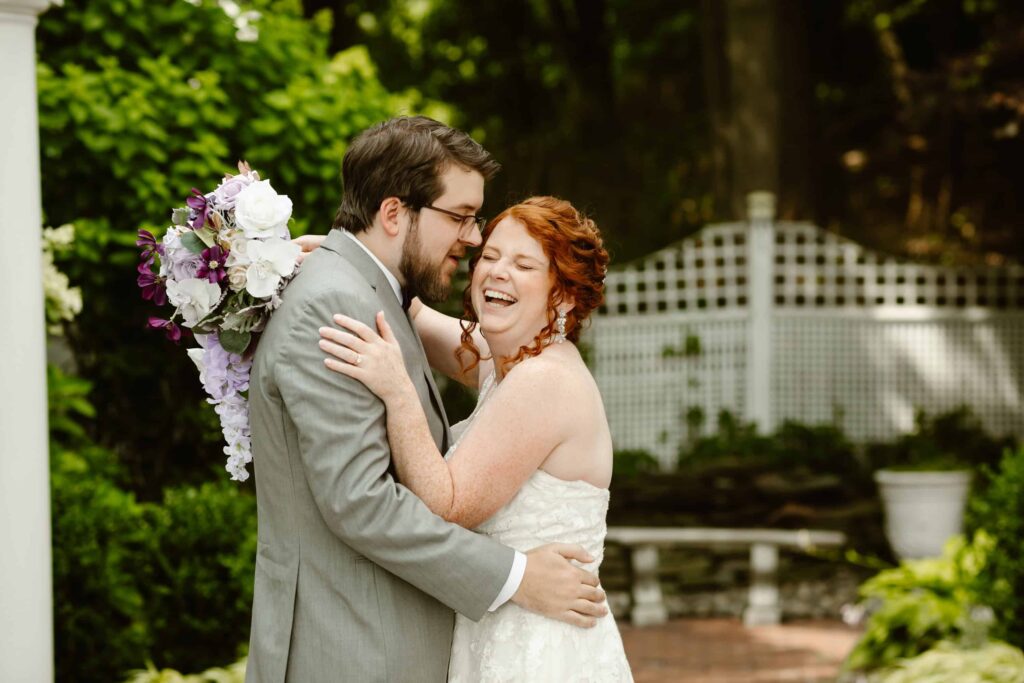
(557,375)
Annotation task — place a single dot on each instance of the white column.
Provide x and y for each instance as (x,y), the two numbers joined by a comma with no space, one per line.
(760,300)
(763,603)
(648,605)
(26,592)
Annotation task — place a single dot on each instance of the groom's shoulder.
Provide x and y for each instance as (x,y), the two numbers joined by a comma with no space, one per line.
(325,275)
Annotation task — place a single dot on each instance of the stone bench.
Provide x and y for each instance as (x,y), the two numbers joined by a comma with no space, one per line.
(763,602)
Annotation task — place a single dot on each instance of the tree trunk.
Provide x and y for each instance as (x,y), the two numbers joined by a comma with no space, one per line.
(757,90)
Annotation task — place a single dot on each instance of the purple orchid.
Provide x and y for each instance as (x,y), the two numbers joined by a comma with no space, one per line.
(152,285)
(198,203)
(172,330)
(213,264)
(149,245)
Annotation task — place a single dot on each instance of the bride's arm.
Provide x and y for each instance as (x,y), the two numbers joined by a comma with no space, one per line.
(442,336)
(513,434)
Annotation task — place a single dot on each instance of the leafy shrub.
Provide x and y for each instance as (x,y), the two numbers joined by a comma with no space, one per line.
(199,600)
(951,440)
(948,663)
(234,673)
(102,543)
(169,582)
(921,602)
(814,448)
(998,510)
(734,439)
(137,582)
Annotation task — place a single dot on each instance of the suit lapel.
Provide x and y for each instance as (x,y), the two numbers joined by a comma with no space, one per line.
(342,245)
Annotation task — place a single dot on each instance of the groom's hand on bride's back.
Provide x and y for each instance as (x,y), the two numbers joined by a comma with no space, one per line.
(556,588)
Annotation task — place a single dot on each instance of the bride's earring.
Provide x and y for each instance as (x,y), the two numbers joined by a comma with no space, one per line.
(559,336)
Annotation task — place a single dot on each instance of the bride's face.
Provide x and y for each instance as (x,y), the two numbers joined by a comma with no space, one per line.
(511,284)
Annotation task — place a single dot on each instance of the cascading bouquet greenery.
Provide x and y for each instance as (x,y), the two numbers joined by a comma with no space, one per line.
(222,265)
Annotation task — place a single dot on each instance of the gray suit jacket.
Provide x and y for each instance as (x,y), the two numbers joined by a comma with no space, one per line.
(356,579)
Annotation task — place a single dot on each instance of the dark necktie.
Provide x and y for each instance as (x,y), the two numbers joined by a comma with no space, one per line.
(407,297)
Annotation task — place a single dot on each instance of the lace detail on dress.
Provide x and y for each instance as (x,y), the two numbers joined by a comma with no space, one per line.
(512,644)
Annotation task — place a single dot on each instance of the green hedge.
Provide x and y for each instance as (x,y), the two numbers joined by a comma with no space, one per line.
(134,582)
(167,582)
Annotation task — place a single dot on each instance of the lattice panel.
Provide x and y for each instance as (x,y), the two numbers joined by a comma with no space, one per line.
(873,374)
(705,272)
(818,269)
(858,337)
(648,382)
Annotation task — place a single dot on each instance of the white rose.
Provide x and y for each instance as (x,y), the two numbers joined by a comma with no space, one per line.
(269,262)
(194,298)
(236,278)
(261,212)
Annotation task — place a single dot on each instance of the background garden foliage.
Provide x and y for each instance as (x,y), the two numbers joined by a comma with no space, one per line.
(611,103)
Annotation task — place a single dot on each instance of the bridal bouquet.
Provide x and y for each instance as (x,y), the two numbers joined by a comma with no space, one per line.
(222,265)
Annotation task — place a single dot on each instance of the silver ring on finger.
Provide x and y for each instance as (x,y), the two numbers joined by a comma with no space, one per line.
(358,360)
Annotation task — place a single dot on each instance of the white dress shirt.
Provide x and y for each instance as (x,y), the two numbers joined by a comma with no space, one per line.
(515,576)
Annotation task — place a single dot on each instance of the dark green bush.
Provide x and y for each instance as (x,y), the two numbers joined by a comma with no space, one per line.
(951,440)
(998,510)
(102,550)
(631,462)
(199,600)
(734,439)
(166,582)
(820,449)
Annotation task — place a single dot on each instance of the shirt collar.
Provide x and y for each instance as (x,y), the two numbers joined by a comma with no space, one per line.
(392,280)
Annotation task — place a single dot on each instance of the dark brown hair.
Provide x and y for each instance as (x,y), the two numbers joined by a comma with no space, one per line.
(403,157)
(579,261)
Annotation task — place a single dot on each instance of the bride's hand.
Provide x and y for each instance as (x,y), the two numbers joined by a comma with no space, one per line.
(308,243)
(373,359)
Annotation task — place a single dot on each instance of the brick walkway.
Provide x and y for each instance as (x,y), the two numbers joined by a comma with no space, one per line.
(723,651)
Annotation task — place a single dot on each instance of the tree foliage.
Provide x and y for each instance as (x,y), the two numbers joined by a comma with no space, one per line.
(900,120)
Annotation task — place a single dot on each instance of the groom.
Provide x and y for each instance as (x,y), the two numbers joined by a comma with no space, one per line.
(356,580)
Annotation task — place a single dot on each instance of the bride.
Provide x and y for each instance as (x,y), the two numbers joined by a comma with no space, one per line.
(532,463)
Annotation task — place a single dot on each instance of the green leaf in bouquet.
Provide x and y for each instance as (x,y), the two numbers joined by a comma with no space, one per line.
(207,235)
(234,341)
(192,242)
(179,216)
(241,321)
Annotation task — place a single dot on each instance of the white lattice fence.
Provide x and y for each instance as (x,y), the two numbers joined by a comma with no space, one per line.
(649,382)
(797,323)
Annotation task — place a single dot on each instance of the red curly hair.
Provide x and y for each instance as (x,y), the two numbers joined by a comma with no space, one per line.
(579,261)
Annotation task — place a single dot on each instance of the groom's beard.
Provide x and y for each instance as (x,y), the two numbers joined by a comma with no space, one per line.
(422,278)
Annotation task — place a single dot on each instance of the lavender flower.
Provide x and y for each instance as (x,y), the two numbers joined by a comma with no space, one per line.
(223,374)
(226,194)
(178,262)
(234,420)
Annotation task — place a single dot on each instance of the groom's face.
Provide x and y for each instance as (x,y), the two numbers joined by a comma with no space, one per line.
(436,240)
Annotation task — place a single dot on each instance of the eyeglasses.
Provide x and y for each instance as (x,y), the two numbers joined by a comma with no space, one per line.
(464,220)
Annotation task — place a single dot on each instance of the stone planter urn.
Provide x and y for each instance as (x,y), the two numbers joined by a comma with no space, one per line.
(923,509)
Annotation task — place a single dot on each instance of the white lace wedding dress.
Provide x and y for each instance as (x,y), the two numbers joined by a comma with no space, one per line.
(511,644)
